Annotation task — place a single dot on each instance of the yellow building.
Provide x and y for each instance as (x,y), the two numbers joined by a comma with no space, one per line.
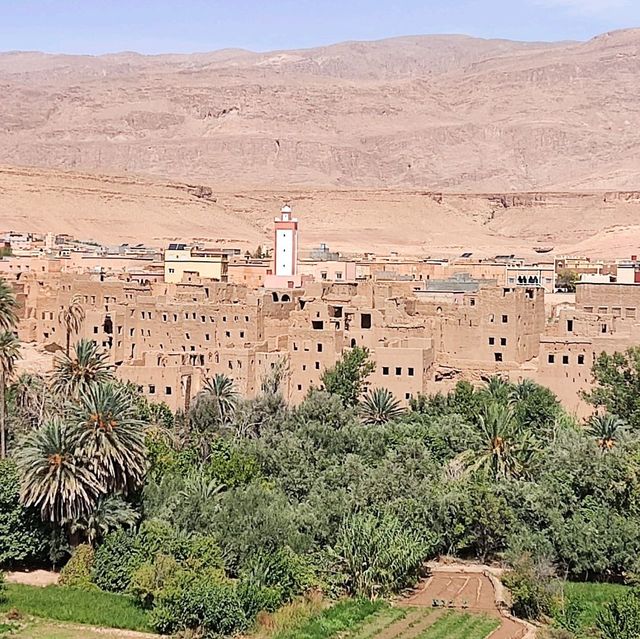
(181,260)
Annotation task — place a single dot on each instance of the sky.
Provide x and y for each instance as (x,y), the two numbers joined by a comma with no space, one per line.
(162,26)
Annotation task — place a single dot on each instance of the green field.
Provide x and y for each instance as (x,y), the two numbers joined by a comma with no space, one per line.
(77,606)
(365,620)
(592,597)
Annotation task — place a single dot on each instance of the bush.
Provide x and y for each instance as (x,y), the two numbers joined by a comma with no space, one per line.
(151,578)
(3,589)
(77,572)
(116,560)
(23,537)
(531,589)
(620,619)
(212,608)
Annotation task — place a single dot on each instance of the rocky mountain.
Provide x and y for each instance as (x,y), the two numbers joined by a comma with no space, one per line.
(447,113)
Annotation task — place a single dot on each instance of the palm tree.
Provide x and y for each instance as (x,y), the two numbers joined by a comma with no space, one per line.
(498,389)
(379,406)
(9,354)
(110,436)
(74,375)
(505,450)
(521,391)
(8,317)
(110,513)
(221,390)
(607,430)
(71,317)
(54,480)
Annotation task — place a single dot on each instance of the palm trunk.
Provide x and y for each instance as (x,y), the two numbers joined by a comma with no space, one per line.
(3,409)
(68,342)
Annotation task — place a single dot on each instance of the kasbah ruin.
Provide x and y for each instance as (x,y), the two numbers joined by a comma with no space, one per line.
(170,319)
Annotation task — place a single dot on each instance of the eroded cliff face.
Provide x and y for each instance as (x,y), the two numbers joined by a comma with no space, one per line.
(428,113)
(112,208)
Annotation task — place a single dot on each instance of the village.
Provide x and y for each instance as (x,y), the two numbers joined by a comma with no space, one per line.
(169,319)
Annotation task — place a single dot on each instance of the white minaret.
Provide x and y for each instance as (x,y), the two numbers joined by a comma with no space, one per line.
(285,255)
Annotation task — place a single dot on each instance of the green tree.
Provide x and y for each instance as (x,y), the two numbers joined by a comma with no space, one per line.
(567,279)
(9,354)
(111,437)
(606,429)
(71,317)
(74,375)
(348,378)
(616,380)
(379,406)
(53,478)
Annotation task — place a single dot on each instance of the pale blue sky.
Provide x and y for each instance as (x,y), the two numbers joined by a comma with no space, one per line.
(154,26)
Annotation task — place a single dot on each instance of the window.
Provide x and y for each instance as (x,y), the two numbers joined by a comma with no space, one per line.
(603,328)
(503,341)
(167,390)
(398,370)
(172,270)
(241,334)
(492,341)
(385,370)
(299,387)
(617,311)
(95,330)
(565,359)
(588,309)
(152,389)
(505,319)
(570,326)
(227,333)
(407,395)
(207,336)
(410,372)
(472,301)
(365,320)
(319,348)
(317,366)
(551,358)
(630,313)
(317,325)
(581,360)
(497,357)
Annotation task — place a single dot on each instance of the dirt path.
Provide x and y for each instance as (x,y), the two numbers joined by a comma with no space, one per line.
(33,578)
(469,588)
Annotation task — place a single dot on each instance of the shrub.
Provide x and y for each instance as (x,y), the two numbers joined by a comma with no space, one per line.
(3,589)
(531,589)
(620,619)
(23,537)
(77,572)
(212,608)
(115,561)
(151,578)
(255,598)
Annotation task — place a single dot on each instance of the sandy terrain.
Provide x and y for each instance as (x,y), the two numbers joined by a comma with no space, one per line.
(114,209)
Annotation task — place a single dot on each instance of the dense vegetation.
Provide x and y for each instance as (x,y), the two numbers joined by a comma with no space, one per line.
(205,519)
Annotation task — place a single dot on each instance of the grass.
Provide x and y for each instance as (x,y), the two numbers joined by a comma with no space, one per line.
(592,596)
(358,619)
(455,625)
(347,615)
(77,606)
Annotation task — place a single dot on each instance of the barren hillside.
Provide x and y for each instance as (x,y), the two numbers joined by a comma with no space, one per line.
(419,222)
(433,112)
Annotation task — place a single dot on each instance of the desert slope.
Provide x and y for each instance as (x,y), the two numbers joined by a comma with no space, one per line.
(113,209)
(424,112)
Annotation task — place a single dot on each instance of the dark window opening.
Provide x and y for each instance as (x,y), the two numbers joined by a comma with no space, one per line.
(398,370)
(365,320)
(570,326)
(551,358)
(492,341)
(319,348)
(167,390)
(503,341)
(497,357)
(385,370)
(581,359)
(317,325)
(565,359)
(410,372)
(505,319)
